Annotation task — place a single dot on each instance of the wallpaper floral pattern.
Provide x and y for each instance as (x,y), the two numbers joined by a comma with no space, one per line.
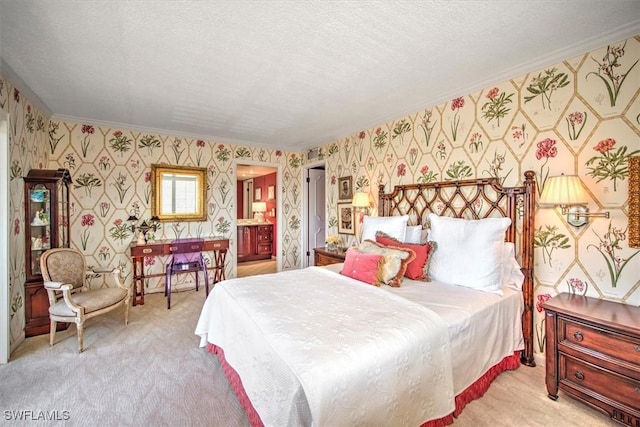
(581,116)
(111,172)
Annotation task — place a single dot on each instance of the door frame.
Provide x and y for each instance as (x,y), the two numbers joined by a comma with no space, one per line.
(234,218)
(4,238)
(304,235)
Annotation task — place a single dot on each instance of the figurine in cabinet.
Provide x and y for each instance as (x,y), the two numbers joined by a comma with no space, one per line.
(36,242)
(40,218)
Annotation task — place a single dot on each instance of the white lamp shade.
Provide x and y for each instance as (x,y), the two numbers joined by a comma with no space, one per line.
(259,206)
(563,190)
(361,200)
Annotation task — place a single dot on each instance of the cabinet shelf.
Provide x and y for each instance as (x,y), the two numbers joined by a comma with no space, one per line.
(47,201)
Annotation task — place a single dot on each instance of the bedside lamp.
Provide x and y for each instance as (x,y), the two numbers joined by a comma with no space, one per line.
(259,208)
(361,200)
(567,192)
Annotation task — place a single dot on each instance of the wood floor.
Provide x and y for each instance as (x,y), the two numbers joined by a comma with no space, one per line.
(253,268)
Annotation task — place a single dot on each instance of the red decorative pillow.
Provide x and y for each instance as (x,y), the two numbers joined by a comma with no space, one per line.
(395,261)
(418,269)
(363,267)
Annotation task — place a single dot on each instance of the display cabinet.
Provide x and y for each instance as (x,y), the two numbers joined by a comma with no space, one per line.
(46,219)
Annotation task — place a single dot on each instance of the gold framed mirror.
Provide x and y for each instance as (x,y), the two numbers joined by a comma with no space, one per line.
(178,193)
(634,202)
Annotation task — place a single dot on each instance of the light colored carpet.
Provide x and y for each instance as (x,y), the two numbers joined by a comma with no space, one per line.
(152,373)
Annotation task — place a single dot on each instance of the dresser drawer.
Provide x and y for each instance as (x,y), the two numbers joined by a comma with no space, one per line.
(264,248)
(147,250)
(605,342)
(216,245)
(321,260)
(619,388)
(264,237)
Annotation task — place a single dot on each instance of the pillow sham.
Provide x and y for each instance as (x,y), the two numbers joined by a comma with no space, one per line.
(395,261)
(512,276)
(418,269)
(363,267)
(394,226)
(413,234)
(470,252)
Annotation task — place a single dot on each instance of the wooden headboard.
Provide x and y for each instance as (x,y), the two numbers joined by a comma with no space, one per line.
(476,199)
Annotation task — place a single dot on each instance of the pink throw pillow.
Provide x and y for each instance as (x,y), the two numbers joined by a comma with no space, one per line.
(362,267)
(418,268)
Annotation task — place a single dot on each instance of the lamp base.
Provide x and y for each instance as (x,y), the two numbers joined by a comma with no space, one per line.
(576,217)
(258,216)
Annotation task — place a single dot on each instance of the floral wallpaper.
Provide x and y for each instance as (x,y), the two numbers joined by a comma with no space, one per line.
(580,116)
(27,150)
(111,172)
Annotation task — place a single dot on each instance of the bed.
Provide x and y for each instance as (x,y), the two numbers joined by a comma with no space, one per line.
(316,347)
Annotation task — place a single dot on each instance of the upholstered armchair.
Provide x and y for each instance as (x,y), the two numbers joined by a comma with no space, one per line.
(70,300)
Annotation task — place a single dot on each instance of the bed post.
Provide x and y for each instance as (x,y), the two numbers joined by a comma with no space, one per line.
(528,230)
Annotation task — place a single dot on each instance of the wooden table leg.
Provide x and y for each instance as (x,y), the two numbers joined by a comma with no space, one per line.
(138,281)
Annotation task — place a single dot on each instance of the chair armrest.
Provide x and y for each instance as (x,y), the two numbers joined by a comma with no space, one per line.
(103,270)
(118,279)
(57,286)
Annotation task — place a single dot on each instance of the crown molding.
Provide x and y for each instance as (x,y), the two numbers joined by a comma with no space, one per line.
(7,72)
(584,46)
(164,132)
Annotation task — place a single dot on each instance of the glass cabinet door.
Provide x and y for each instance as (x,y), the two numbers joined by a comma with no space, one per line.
(39,224)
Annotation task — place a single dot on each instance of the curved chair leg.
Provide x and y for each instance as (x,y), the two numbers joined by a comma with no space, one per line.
(80,328)
(52,332)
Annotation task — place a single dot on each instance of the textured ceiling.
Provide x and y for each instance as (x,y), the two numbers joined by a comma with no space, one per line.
(285,74)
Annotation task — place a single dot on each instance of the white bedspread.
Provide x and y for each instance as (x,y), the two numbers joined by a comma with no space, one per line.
(357,354)
(484,327)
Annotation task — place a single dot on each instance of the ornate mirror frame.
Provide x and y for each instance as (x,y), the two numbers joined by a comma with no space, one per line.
(634,202)
(185,175)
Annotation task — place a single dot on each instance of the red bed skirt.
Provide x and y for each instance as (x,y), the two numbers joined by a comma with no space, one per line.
(474,391)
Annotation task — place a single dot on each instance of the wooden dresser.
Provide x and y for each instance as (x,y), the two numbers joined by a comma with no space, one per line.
(593,354)
(255,242)
(323,256)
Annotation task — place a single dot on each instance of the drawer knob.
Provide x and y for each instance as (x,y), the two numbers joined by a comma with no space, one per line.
(637,390)
(579,375)
(638,348)
(578,336)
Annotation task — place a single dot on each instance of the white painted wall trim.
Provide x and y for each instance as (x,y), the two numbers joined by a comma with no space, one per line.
(234,222)
(305,206)
(4,238)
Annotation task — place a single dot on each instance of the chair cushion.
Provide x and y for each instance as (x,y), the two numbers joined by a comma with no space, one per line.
(91,301)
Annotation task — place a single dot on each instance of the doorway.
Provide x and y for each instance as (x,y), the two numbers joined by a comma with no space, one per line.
(257,232)
(4,238)
(314,210)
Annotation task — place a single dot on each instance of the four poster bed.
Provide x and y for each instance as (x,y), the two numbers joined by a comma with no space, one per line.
(321,346)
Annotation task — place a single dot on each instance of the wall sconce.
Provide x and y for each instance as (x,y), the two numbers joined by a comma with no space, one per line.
(259,208)
(361,200)
(567,192)
(144,227)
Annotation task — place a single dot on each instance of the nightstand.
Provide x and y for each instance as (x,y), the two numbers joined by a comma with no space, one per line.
(593,354)
(324,256)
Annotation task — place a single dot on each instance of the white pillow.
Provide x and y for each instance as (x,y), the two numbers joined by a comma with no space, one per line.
(413,234)
(470,252)
(394,226)
(512,276)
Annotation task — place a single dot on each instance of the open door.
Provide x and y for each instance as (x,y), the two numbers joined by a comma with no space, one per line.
(315,231)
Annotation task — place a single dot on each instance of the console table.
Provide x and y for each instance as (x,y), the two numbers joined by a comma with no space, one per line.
(168,247)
